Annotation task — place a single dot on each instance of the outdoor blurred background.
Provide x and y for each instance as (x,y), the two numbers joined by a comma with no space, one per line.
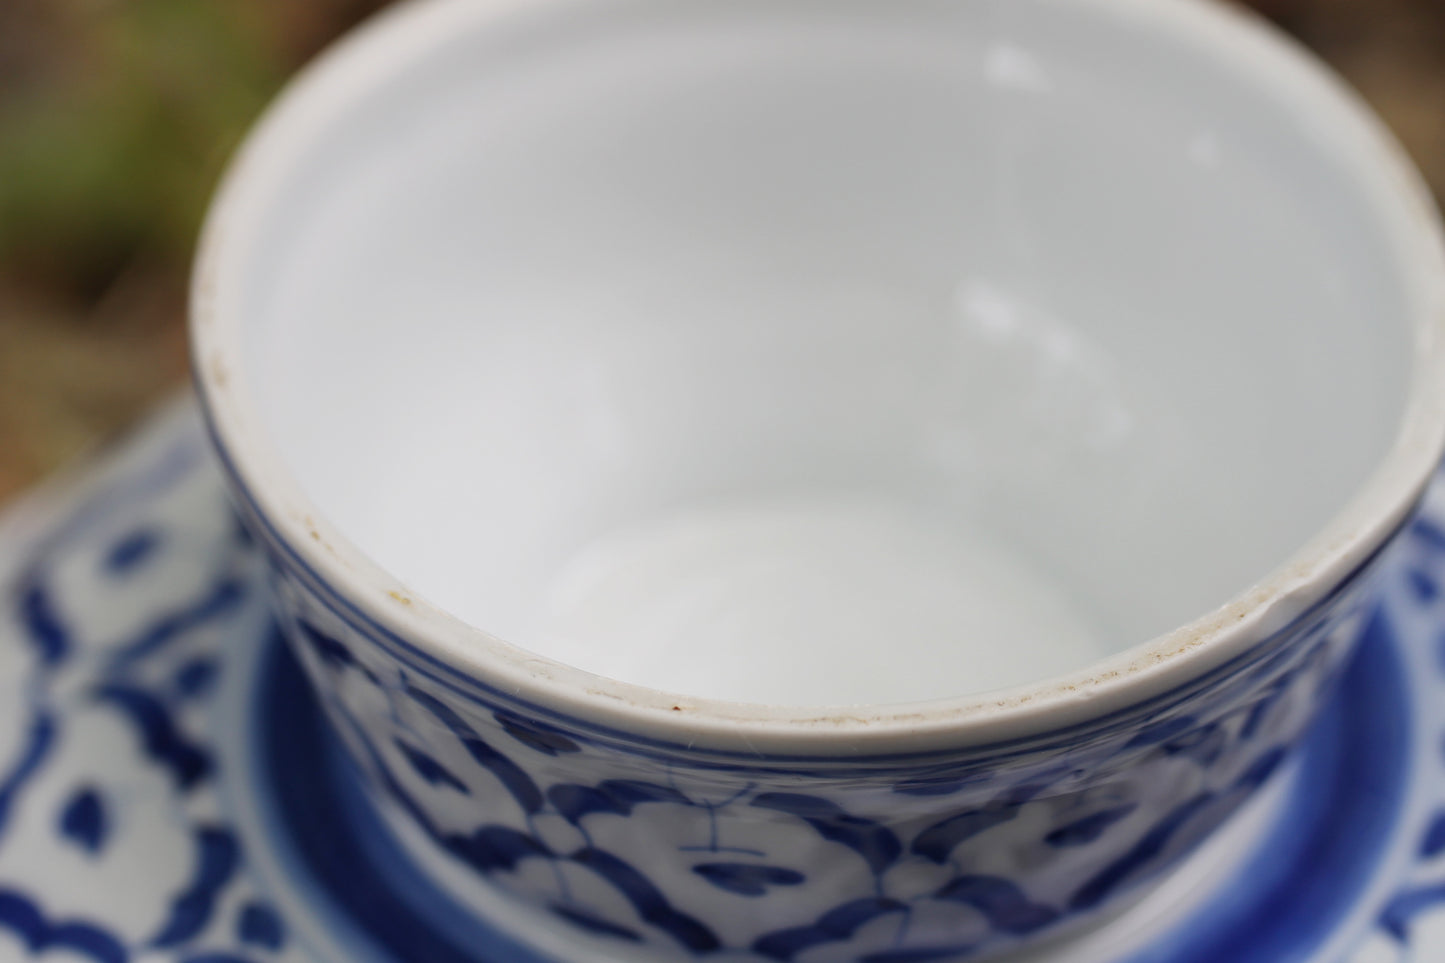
(116,117)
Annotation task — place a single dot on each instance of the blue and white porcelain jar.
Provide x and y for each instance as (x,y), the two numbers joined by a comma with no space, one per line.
(929,459)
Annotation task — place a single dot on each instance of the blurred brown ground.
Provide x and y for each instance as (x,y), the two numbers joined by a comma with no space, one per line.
(117,115)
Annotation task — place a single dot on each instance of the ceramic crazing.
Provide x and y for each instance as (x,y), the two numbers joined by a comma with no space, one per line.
(640,844)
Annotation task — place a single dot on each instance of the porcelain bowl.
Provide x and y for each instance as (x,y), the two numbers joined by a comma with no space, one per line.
(818,481)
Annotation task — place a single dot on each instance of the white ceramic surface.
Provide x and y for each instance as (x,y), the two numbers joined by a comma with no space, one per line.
(1121,312)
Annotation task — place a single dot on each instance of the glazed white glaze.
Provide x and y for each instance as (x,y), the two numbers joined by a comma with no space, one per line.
(1129,286)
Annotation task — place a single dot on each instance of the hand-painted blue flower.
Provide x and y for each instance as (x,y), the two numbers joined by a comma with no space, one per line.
(218,856)
(161,740)
(21,916)
(540,737)
(747,879)
(83,820)
(1083,831)
(595,924)
(616,796)
(875,842)
(131,550)
(937,842)
(1006,907)
(507,772)
(258,924)
(837,924)
(428,768)
(648,900)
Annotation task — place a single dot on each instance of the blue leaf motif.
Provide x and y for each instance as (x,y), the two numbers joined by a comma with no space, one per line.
(648,900)
(616,796)
(1406,906)
(42,624)
(1110,877)
(838,923)
(131,551)
(507,772)
(429,769)
(937,842)
(1083,831)
(23,918)
(1434,842)
(491,848)
(83,820)
(195,678)
(1006,907)
(875,842)
(38,741)
(747,879)
(260,925)
(540,737)
(160,738)
(595,924)
(1429,534)
(218,858)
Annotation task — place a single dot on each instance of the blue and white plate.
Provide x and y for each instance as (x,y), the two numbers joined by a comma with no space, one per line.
(167,794)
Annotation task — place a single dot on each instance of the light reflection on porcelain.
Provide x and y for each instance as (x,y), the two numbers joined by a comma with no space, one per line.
(407,467)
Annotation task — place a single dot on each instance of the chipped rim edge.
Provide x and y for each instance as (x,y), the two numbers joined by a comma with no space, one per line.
(401,35)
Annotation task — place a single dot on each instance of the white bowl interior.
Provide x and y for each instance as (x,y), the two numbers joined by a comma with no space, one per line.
(825,353)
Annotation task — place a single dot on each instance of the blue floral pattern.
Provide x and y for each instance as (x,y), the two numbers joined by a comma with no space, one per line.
(116,841)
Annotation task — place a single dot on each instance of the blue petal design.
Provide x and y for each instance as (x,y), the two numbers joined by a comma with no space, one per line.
(37,747)
(937,842)
(429,769)
(132,550)
(496,847)
(542,738)
(83,820)
(875,842)
(260,925)
(648,900)
(22,917)
(1006,907)
(44,627)
(218,857)
(595,924)
(838,923)
(1406,906)
(617,796)
(508,773)
(1083,831)
(188,763)
(747,879)
(196,677)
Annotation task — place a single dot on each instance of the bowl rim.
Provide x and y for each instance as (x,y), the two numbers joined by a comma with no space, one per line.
(399,36)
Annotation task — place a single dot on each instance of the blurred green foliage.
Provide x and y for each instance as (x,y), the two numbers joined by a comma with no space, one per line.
(114,155)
